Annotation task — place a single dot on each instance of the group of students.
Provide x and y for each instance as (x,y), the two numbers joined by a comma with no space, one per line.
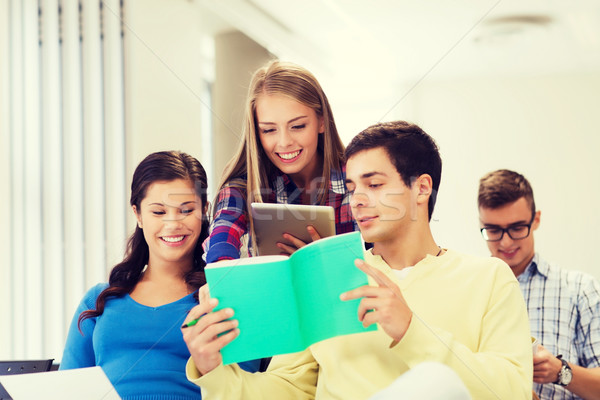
(431,304)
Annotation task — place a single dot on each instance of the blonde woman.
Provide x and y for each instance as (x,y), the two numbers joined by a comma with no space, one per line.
(290,153)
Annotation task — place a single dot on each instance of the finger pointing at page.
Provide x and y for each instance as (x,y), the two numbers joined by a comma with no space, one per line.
(383,304)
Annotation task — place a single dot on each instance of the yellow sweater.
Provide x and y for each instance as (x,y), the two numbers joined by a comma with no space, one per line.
(468,313)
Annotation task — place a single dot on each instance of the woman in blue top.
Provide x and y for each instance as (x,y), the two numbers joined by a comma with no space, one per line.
(131,326)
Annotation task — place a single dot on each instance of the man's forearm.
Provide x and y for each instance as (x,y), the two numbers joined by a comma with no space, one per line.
(585,382)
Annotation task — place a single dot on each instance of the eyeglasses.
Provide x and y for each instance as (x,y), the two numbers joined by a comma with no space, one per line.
(515,232)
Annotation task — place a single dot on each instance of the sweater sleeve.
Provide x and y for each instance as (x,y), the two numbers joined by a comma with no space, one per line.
(228,226)
(289,376)
(502,365)
(79,348)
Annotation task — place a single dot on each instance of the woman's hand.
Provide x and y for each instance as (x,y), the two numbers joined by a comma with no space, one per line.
(297,243)
(202,338)
(382,304)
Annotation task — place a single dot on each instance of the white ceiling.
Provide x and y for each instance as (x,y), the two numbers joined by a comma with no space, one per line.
(406,41)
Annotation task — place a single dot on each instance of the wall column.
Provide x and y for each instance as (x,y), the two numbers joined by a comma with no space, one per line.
(236,58)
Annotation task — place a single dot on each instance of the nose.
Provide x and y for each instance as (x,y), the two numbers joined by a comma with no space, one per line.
(358,199)
(172,218)
(284,139)
(505,241)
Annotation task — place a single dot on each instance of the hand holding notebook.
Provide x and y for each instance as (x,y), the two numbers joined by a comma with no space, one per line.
(285,304)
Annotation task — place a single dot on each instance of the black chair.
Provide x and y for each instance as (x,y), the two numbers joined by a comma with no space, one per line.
(22,367)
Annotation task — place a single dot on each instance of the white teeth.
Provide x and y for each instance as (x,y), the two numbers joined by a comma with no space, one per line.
(172,239)
(289,156)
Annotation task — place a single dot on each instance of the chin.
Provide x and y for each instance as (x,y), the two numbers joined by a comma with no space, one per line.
(370,238)
(290,169)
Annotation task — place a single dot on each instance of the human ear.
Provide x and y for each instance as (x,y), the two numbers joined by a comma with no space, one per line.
(205,209)
(138,217)
(536,220)
(321,125)
(423,185)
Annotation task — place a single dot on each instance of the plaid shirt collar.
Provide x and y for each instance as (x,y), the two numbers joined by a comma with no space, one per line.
(536,266)
(285,189)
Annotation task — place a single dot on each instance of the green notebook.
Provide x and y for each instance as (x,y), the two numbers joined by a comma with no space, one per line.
(285,304)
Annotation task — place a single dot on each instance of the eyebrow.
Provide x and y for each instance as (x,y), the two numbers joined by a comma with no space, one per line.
(290,121)
(371,174)
(163,204)
(367,175)
(509,225)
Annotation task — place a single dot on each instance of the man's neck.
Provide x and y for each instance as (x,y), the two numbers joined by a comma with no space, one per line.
(407,249)
(519,269)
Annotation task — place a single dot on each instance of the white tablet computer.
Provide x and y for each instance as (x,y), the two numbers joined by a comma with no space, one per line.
(272,220)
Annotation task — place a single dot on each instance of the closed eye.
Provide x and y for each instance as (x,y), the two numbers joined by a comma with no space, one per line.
(493,231)
(518,228)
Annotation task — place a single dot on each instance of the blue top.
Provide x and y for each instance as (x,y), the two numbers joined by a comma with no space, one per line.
(564,314)
(140,348)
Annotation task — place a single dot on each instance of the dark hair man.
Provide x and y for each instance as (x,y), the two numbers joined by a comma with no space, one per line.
(563,305)
(430,304)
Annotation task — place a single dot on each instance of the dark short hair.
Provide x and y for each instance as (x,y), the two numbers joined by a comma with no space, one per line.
(412,151)
(502,187)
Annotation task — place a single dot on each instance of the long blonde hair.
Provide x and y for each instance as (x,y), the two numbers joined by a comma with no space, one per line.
(250,160)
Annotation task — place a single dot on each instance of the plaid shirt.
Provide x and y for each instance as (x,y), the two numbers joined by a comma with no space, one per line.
(564,314)
(230,221)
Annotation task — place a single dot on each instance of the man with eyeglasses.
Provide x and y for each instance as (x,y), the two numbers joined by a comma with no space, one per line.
(563,305)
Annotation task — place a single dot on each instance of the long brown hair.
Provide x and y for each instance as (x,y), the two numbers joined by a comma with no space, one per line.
(160,166)
(250,160)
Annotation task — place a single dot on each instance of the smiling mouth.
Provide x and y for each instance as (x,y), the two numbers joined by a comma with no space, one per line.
(509,253)
(289,156)
(365,219)
(173,239)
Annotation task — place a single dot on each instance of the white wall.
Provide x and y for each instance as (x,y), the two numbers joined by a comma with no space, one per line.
(5,251)
(544,127)
(166,63)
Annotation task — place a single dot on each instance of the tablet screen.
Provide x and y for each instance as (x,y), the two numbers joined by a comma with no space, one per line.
(272,220)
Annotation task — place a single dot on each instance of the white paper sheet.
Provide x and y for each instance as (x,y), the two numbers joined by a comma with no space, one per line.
(73,384)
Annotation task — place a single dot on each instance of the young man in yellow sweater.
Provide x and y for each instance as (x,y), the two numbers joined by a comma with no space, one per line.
(430,304)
